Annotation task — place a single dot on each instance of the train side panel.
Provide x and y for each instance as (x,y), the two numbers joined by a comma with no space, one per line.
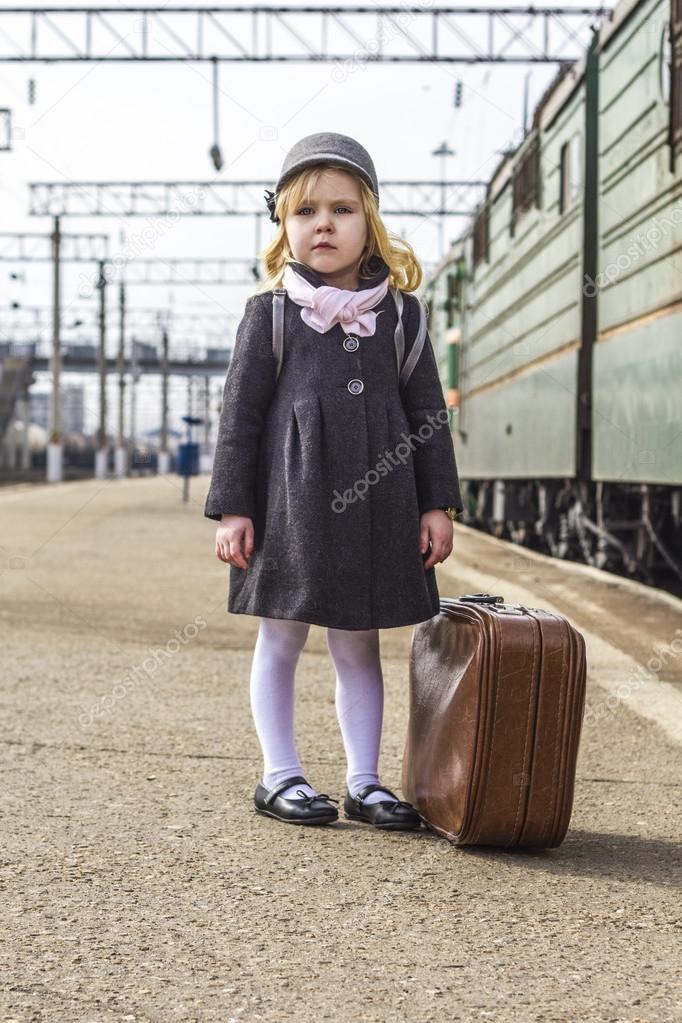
(523,333)
(637,362)
(504,441)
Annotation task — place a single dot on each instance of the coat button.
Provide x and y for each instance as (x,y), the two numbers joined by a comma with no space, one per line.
(350,344)
(356,386)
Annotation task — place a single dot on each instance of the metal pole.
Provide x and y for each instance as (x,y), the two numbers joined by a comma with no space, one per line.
(185,479)
(442,151)
(589,323)
(121,459)
(258,237)
(525,103)
(441,219)
(102,451)
(164,454)
(10,455)
(25,462)
(55,467)
(133,400)
(205,460)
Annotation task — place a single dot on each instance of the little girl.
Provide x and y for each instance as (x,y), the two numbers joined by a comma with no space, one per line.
(334,469)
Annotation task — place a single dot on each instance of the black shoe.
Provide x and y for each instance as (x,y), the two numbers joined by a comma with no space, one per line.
(389,815)
(306,810)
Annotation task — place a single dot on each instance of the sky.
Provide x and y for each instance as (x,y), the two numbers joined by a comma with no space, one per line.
(117,121)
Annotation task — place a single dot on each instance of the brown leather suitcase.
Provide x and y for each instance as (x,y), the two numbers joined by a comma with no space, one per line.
(497,695)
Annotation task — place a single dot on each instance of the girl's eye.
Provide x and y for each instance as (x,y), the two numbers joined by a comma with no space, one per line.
(303,208)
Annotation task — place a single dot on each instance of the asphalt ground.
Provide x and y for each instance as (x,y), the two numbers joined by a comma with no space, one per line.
(139,883)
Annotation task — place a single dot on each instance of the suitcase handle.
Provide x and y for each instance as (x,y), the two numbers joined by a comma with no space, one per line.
(487,598)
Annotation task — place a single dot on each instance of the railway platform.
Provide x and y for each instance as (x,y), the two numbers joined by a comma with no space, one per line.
(139,884)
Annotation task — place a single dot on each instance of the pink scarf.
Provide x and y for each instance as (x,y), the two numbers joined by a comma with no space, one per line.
(325,306)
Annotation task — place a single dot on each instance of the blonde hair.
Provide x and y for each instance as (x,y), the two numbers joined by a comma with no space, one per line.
(405,271)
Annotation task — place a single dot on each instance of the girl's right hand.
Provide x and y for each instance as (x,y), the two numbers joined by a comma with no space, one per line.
(234,540)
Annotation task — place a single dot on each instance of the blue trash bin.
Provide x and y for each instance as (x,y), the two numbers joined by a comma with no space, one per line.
(188,459)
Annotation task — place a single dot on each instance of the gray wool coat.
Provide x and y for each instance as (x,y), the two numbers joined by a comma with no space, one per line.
(334,478)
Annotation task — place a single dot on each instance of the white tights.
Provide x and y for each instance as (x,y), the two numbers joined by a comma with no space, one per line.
(359,701)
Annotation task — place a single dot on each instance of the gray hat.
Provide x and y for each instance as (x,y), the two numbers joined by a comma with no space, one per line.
(324,147)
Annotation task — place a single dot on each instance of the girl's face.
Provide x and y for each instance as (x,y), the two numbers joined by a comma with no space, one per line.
(327,231)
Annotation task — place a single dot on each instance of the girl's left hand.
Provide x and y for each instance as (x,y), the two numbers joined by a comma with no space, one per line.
(437,527)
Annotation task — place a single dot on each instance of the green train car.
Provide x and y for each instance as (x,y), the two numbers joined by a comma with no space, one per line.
(557,316)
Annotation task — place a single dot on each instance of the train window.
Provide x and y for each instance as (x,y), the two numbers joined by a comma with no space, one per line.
(575,175)
(664,64)
(525,190)
(570,171)
(453,301)
(482,235)
(675,132)
(563,176)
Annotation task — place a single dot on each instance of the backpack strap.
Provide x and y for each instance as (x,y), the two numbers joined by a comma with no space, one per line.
(278,296)
(416,349)
(405,367)
(399,335)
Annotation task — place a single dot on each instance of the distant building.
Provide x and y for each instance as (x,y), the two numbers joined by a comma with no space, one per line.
(73,409)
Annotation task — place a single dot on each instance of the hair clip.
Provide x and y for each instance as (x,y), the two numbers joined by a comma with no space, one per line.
(270,200)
